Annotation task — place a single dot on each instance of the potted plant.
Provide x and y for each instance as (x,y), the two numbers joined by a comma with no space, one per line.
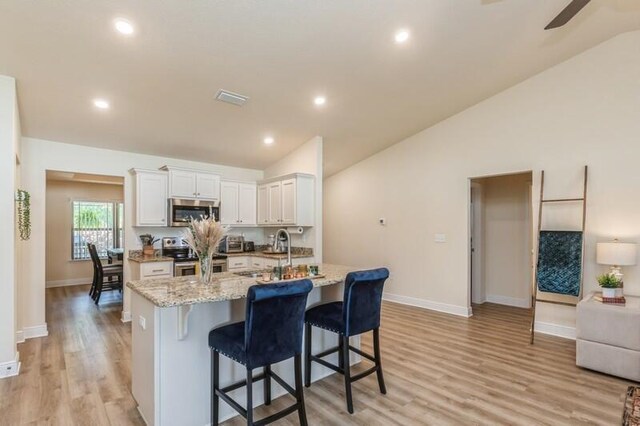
(610,284)
(147,244)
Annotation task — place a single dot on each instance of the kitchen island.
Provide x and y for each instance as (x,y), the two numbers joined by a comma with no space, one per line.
(171,320)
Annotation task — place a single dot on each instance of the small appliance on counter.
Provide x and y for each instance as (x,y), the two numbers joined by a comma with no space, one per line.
(249,246)
(232,244)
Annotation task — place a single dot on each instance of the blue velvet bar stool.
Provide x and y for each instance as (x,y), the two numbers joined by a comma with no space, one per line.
(271,332)
(358,313)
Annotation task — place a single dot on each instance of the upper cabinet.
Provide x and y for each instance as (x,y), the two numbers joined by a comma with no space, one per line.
(150,195)
(238,203)
(288,200)
(184,183)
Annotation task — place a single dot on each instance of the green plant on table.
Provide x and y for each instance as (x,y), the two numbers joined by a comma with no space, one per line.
(609,281)
(148,239)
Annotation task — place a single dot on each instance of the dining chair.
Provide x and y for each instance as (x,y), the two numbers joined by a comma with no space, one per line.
(102,272)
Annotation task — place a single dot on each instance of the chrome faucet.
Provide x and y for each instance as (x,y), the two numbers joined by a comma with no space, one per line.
(288,244)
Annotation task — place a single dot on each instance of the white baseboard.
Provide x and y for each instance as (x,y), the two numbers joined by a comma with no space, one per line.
(462,311)
(10,368)
(509,301)
(125,316)
(32,332)
(64,283)
(556,330)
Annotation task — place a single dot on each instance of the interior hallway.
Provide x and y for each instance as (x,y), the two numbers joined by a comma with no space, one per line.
(440,369)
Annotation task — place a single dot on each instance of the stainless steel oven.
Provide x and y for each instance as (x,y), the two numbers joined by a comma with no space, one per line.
(181,269)
(181,211)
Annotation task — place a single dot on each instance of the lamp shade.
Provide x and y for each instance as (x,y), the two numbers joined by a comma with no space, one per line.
(618,254)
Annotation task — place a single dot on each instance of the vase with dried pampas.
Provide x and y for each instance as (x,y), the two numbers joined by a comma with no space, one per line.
(203,236)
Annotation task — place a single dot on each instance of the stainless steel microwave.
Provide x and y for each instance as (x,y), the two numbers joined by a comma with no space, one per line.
(181,211)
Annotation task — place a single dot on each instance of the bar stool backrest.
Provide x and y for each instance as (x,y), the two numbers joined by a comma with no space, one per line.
(274,321)
(363,300)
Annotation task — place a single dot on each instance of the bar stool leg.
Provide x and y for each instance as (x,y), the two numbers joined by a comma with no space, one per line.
(340,352)
(347,373)
(302,412)
(307,355)
(267,385)
(376,351)
(249,397)
(215,385)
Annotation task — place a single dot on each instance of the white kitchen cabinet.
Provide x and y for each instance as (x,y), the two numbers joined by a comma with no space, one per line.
(193,184)
(257,262)
(237,203)
(263,204)
(269,263)
(151,270)
(287,201)
(237,262)
(150,198)
(275,202)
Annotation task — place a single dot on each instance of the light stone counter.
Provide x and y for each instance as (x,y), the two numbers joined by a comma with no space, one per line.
(180,291)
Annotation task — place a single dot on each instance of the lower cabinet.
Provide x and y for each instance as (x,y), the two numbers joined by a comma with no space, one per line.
(151,270)
(237,262)
(257,262)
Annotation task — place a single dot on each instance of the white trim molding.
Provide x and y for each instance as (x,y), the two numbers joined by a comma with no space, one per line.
(10,368)
(509,301)
(69,282)
(125,316)
(462,311)
(32,332)
(563,331)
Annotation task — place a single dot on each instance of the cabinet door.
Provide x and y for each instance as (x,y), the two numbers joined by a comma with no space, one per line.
(289,201)
(229,203)
(151,199)
(263,204)
(237,262)
(182,184)
(275,202)
(247,204)
(208,186)
(256,262)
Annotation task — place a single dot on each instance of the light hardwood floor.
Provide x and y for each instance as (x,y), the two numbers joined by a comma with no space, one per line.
(439,370)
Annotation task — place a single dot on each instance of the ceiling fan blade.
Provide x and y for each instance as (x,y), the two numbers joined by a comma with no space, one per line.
(567,13)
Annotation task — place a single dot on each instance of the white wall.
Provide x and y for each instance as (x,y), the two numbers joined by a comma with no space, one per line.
(506,239)
(305,159)
(9,132)
(38,156)
(583,111)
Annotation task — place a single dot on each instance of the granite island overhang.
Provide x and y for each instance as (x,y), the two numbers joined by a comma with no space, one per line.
(171,320)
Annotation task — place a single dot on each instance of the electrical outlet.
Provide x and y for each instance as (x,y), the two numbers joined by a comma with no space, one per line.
(440,238)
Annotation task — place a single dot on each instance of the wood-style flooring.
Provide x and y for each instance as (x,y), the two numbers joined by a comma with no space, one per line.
(439,369)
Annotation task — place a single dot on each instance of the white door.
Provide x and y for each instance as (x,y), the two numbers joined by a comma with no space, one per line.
(151,199)
(275,203)
(263,204)
(247,204)
(289,201)
(208,186)
(183,184)
(229,203)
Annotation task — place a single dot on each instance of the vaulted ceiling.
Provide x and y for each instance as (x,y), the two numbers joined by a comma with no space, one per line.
(162,80)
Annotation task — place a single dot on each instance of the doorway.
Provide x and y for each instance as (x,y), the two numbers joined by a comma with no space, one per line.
(501,240)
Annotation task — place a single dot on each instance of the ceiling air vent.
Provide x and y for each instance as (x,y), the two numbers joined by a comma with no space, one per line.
(231,98)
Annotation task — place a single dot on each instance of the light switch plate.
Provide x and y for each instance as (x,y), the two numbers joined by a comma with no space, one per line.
(440,238)
(142,321)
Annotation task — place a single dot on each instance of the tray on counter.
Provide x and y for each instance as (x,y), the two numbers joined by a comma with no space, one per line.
(261,281)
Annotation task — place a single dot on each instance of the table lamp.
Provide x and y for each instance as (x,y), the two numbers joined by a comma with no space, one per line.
(616,255)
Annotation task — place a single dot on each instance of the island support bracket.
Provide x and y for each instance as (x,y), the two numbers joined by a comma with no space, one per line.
(183,321)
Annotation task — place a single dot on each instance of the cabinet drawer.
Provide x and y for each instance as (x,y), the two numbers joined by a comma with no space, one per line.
(270,263)
(257,262)
(237,262)
(155,269)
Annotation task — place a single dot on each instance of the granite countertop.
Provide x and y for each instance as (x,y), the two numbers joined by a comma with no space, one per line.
(137,256)
(269,255)
(178,291)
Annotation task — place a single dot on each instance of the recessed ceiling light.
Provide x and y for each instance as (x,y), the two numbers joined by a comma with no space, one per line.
(401,36)
(101,103)
(268,140)
(123,26)
(320,100)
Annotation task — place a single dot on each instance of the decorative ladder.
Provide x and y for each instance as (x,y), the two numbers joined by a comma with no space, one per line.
(534,294)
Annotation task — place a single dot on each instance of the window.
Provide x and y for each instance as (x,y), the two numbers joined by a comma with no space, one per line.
(97,222)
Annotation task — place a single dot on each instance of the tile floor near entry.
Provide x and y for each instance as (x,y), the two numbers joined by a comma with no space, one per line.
(440,369)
